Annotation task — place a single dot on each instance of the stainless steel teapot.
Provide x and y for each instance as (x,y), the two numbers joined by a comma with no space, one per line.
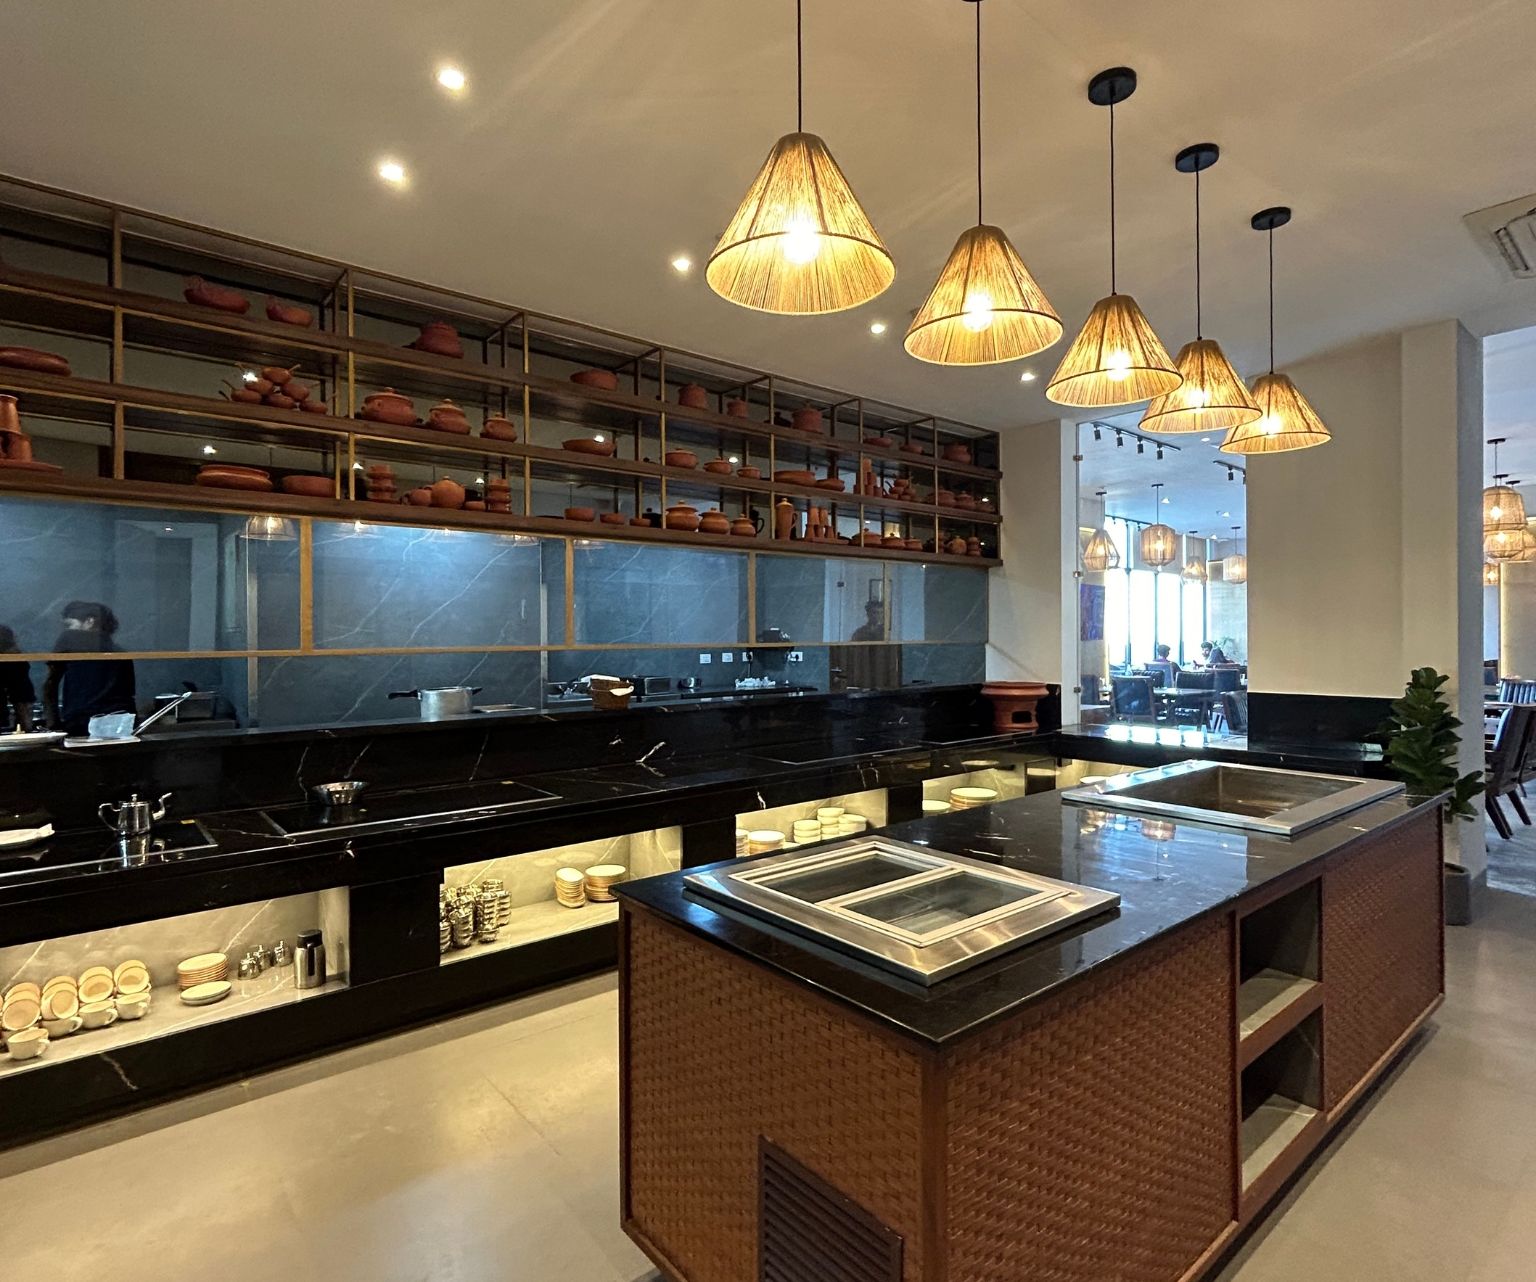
(132,818)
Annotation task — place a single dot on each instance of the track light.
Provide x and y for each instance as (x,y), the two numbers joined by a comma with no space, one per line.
(1231,475)
(1097,435)
(1159,453)
(1119,441)
(1141,447)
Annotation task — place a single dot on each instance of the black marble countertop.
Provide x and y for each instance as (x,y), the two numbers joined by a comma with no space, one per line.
(1168,875)
(1147,744)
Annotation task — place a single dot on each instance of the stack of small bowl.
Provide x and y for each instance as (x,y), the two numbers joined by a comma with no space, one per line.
(203,979)
(599,881)
(743,845)
(760,841)
(850,825)
(571,887)
(935,807)
(830,820)
(970,798)
(808,830)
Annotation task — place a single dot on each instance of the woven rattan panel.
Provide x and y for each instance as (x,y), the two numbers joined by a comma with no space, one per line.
(1381,950)
(1092,1140)
(719,1053)
(811,1232)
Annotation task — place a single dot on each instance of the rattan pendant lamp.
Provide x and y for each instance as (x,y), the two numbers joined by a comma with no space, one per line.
(800,244)
(985,308)
(1101,552)
(1194,570)
(1503,508)
(1159,543)
(1286,420)
(1234,567)
(1212,398)
(1116,358)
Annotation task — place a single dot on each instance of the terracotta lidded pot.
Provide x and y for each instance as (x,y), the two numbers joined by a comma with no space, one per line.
(714,521)
(498,428)
(783,519)
(680,458)
(736,407)
(744,527)
(445,416)
(389,406)
(680,516)
(807,419)
(447,493)
(693,396)
(440,338)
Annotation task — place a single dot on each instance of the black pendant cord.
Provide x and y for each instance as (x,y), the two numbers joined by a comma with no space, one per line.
(1113,278)
(799,74)
(1271,300)
(1199,330)
(978,113)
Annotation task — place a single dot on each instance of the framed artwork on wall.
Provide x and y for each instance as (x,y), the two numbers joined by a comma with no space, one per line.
(1090,611)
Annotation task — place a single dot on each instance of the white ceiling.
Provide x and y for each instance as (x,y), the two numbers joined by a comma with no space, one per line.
(1196,495)
(599,138)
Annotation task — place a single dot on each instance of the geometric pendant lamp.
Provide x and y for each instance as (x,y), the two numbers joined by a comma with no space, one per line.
(1286,421)
(985,307)
(1101,552)
(1212,398)
(1159,543)
(800,244)
(1503,508)
(1116,358)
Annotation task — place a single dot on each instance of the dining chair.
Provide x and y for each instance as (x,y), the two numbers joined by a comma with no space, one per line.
(1503,763)
(1130,698)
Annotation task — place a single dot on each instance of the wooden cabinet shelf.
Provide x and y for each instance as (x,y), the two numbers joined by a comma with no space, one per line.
(1271,1129)
(1269,1005)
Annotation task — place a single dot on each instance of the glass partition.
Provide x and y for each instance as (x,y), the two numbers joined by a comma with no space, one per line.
(631,594)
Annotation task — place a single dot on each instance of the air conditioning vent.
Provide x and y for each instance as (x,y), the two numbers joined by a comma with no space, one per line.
(1507,234)
(810,1232)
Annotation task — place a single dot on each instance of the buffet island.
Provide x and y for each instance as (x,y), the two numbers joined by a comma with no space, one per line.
(1069,1036)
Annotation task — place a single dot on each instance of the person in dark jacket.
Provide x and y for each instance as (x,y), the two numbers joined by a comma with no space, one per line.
(78,689)
(16,692)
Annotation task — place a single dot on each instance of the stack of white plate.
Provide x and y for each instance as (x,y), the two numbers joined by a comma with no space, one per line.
(762,840)
(807,831)
(571,887)
(969,798)
(830,819)
(205,968)
(852,825)
(935,807)
(742,844)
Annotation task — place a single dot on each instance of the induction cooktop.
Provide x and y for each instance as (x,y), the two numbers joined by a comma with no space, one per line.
(419,809)
(797,754)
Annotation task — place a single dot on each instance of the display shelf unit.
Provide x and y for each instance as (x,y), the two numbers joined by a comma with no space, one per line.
(1281,1105)
(516,364)
(1278,969)
(534,922)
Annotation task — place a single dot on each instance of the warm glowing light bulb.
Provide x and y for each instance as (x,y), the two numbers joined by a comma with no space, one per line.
(681,264)
(249,376)
(451,79)
(598,438)
(1028,376)
(1495,511)
(209,449)
(802,241)
(1270,425)
(1197,398)
(393,172)
(976,315)
(877,327)
(1117,366)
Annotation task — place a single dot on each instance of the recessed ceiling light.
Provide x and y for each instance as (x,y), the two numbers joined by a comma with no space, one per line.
(1226,514)
(392,172)
(479,480)
(1028,376)
(208,449)
(357,467)
(878,327)
(1165,500)
(451,78)
(682,264)
(1205,440)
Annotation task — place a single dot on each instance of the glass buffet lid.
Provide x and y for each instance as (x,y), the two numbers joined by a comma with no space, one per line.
(921,912)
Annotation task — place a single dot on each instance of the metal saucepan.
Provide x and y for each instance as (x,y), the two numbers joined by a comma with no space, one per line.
(343,793)
(451,701)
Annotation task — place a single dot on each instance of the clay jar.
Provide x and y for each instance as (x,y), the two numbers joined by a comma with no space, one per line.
(743,527)
(693,396)
(957,452)
(421,496)
(807,419)
(499,429)
(289,314)
(736,407)
(445,416)
(956,546)
(440,338)
(714,521)
(682,517)
(389,406)
(681,458)
(447,493)
(783,519)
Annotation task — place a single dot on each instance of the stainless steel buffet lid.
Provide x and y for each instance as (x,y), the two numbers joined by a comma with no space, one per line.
(920,912)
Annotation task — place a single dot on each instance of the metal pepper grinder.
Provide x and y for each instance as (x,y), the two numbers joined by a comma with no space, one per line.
(309,960)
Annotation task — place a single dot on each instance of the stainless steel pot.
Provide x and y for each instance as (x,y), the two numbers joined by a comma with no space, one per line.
(437,705)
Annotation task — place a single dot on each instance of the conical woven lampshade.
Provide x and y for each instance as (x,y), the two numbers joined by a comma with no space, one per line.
(800,244)
(1159,545)
(1116,359)
(1287,422)
(1503,509)
(1235,568)
(1101,552)
(1212,398)
(1526,546)
(984,308)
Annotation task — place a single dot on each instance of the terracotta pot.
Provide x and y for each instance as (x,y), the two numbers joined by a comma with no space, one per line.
(719,466)
(10,416)
(795,476)
(313,487)
(714,521)
(580,514)
(784,519)
(914,545)
(966,501)
(474,505)
(440,338)
(680,458)
(956,546)
(33,358)
(586,445)
(744,528)
(613,518)
(944,498)
(289,314)
(682,517)
(243,395)
(389,406)
(299,391)
(957,452)
(750,473)
(447,493)
(445,416)
(421,496)
(1013,704)
(279,400)
(736,407)
(693,397)
(499,429)
(381,494)
(206,294)
(313,406)
(807,419)
(605,379)
(879,442)
(973,546)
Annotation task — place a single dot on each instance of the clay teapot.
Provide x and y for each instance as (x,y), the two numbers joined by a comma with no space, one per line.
(956,546)
(680,516)
(206,294)
(421,496)
(445,416)
(714,521)
(807,419)
(499,429)
(389,406)
(957,452)
(745,527)
(439,338)
(242,393)
(289,314)
(693,396)
(447,493)
(784,519)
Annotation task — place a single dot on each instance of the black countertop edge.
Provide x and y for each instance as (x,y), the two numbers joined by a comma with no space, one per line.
(1146,745)
(1165,886)
(198,739)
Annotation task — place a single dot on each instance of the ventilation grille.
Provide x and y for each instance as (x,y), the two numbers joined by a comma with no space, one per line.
(809,1232)
(1507,234)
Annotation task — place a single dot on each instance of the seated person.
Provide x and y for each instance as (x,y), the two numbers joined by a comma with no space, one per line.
(1165,655)
(1210,654)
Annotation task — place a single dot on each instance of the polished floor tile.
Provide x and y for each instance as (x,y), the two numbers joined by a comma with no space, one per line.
(486,1147)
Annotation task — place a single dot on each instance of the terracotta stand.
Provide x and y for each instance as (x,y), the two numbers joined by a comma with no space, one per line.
(1013,704)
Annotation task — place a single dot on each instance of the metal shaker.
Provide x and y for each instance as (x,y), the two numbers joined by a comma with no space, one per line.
(309,960)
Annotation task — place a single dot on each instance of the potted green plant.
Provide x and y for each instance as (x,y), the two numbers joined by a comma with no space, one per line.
(1422,740)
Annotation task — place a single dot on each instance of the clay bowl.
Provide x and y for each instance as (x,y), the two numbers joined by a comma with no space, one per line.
(311,487)
(644,521)
(692,396)
(680,458)
(831,483)
(421,496)
(750,473)
(957,453)
(586,445)
(879,442)
(289,314)
(474,505)
(613,518)
(499,429)
(912,447)
(580,514)
(795,477)
(719,466)
(227,476)
(893,541)
(34,359)
(604,379)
